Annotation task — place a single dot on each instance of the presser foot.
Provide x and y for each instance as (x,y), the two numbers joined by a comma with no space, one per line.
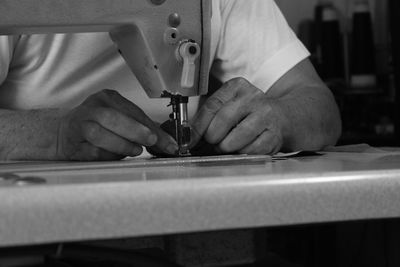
(179,116)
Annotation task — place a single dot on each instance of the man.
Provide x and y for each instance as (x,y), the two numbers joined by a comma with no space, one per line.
(52,106)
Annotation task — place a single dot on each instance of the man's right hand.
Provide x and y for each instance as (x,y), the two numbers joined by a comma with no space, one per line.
(107,126)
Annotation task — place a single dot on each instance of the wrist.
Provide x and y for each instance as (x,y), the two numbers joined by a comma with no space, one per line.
(29,135)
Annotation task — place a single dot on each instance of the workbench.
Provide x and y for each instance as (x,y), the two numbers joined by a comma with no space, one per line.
(44,203)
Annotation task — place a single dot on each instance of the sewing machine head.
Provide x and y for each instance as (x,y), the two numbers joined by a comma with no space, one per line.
(166,43)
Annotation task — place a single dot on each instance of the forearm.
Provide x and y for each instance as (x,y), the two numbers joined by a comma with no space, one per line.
(311,118)
(29,135)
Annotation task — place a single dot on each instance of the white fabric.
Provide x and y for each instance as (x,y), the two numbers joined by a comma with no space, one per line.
(250,38)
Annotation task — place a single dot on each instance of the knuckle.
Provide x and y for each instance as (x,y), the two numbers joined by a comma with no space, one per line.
(249,128)
(214,103)
(228,120)
(263,120)
(226,117)
(105,115)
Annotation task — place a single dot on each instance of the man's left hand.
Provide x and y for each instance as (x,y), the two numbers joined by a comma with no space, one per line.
(240,118)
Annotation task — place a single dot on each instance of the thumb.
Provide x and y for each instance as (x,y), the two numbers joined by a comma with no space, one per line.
(203,118)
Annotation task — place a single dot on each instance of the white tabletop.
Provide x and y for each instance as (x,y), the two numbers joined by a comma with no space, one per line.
(139,197)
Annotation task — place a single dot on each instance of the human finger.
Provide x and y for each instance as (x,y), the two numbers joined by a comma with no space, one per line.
(100,137)
(243,134)
(115,100)
(209,109)
(165,146)
(124,126)
(164,141)
(224,121)
(89,152)
(266,143)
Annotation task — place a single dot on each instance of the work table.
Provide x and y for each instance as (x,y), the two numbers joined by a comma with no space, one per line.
(140,197)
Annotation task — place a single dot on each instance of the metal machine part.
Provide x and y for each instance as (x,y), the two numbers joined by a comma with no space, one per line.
(180,118)
(148,34)
(166,43)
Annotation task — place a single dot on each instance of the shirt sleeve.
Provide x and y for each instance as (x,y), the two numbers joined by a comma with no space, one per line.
(6,51)
(255,43)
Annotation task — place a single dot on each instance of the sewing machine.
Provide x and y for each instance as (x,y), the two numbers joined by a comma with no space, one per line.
(165,43)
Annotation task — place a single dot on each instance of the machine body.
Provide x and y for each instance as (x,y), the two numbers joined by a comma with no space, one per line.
(166,43)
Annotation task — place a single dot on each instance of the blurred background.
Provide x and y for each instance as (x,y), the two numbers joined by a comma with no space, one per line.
(351,42)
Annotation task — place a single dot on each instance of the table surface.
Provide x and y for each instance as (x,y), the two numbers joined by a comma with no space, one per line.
(140,197)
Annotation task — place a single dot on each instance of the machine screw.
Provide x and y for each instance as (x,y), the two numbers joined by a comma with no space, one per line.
(174,20)
(171,36)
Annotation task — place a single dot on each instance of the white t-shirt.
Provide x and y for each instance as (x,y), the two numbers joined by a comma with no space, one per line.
(250,39)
